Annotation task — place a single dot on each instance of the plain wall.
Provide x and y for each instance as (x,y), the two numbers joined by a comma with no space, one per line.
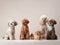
(31,9)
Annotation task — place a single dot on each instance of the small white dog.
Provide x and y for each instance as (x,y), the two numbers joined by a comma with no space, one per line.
(10,34)
(43,26)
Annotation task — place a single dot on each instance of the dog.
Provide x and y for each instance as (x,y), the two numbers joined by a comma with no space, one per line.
(51,29)
(43,26)
(37,35)
(24,34)
(10,34)
(32,36)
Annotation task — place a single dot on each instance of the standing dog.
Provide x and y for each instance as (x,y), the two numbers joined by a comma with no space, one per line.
(43,26)
(24,34)
(10,34)
(51,29)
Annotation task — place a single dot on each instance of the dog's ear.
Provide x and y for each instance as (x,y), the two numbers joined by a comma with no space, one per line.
(27,21)
(55,22)
(47,20)
(15,23)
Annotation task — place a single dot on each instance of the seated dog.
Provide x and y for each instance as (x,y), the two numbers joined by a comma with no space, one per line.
(10,34)
(24,34)
(43,26)
(51,29)
(37,35)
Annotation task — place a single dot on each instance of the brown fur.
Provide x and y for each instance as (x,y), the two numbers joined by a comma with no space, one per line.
(51,35)
(24,34)
(32,36)
(37,35)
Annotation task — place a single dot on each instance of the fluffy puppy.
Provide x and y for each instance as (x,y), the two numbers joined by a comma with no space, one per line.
(10,34)
(32,36)
(37,35)
(51,29)
(24,34)
(43,26)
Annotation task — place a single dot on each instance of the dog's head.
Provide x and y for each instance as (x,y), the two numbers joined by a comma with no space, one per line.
(51,21)
(38,33)
(25,21)
(12,23)
(43,19)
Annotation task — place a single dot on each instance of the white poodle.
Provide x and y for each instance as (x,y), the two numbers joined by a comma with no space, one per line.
(10,34)
(43,26)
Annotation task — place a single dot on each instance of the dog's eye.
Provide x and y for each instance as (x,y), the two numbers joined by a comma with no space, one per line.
(11,23)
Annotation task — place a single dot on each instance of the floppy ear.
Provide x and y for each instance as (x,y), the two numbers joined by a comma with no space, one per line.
(15,23)
(27,22)
(46,20)
(55,22)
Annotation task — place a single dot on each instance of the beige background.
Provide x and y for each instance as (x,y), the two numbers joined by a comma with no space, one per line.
(31,9)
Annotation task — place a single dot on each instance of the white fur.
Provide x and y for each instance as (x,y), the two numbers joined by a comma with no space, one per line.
(43,16)
(11,30)
(43,27)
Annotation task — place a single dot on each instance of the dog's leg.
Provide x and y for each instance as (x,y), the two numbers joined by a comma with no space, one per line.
(22,37)
(10,36)
(48,35)
(13,37)
(27,36)
(5,37)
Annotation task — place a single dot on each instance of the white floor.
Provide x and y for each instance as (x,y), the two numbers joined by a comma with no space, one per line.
(29,42)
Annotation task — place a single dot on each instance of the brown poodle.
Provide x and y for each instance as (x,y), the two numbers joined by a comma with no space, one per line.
(51,29)
(24,34)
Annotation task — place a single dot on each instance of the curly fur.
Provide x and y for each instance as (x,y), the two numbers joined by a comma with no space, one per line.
(24,34)
(37,35)
(10,34)
(43,26)
(51,29)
